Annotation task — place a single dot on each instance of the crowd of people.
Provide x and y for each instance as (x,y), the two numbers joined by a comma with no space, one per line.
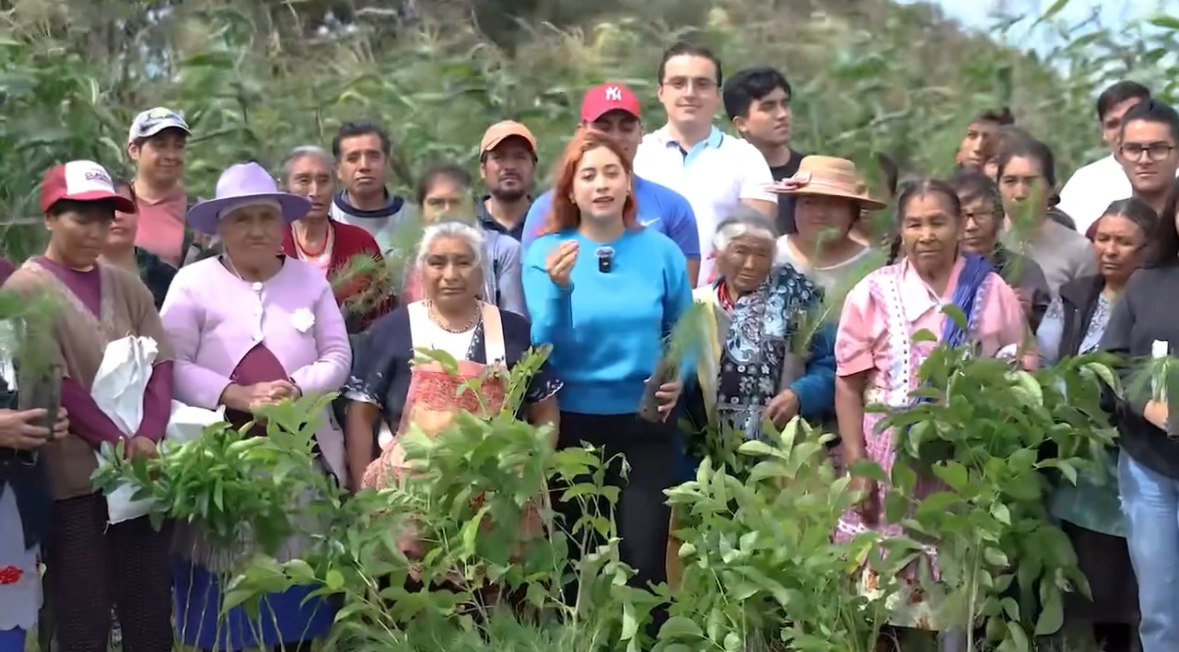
(256,296)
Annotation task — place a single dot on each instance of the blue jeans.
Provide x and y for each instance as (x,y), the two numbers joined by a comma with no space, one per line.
(1150,502)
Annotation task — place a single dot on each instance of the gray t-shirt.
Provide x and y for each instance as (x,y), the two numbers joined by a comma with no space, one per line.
(832,278)
(1062,254)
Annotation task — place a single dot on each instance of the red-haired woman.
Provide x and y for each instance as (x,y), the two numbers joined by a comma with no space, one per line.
(605,293)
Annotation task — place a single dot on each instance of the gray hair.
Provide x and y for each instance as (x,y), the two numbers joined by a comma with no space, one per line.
(303,151)
(745,222)
(468,233)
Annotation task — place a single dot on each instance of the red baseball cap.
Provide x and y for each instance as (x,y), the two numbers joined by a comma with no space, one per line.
(81,181)
(604,98)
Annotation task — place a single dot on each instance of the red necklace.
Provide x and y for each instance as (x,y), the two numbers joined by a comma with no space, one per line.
(314,254)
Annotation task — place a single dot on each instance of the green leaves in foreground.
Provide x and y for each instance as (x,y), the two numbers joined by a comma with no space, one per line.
(998,439)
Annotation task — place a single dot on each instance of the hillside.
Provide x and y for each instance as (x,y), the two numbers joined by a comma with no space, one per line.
(257,78)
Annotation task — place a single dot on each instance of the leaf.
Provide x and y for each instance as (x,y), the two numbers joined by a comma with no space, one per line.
(1018,638)
(678,627)
(630,622)
(1165,22)
(1068,470)
(1051,12)
(953,474)
(1001,513)
(1051,612)
(334,580)
(759,449)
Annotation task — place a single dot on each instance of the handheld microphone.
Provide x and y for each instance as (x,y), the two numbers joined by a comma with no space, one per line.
(605,259)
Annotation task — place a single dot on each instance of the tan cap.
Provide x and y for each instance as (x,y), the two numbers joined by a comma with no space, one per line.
(501,131)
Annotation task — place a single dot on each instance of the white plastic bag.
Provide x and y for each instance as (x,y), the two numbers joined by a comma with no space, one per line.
(188,423)
(118,390)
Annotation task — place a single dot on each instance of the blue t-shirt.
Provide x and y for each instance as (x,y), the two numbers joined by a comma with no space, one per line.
(608,328)
(660,208)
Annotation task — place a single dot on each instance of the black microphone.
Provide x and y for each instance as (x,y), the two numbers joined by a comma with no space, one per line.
(605,259)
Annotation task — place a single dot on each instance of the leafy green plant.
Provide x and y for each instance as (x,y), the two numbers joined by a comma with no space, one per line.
(760,569)
(995,437)
(478,578)
(235,485)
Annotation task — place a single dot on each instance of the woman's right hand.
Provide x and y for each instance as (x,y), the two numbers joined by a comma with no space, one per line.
(17,430)
(559,262)
(869,503)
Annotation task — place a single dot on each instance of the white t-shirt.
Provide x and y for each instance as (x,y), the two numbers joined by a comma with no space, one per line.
(458,345)
(1092,189)
(714,176)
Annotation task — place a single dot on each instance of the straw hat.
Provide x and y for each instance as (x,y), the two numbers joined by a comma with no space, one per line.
(831,177)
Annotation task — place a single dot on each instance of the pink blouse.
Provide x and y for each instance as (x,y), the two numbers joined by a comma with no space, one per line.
(896,294)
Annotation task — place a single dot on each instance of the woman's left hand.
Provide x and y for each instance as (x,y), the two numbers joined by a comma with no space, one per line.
(668,395)
(783,408)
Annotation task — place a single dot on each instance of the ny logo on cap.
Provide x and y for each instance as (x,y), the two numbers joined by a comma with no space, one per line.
(614,93)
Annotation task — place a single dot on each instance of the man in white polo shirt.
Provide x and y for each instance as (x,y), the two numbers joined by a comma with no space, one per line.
(715,172)
(1092,188)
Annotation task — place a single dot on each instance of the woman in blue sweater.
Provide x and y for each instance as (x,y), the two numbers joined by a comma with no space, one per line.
(606,293)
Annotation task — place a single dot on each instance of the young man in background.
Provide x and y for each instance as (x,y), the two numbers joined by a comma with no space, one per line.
(757,101)
(715,172)
(156,144)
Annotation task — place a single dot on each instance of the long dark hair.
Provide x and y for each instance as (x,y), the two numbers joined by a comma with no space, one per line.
(920,188)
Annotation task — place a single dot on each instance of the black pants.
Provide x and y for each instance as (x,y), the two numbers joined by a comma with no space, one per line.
(94,566)
(641,514)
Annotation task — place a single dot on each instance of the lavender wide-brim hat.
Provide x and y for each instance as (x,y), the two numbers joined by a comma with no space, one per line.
(245,184)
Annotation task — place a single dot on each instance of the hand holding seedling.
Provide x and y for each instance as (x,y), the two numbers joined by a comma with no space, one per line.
(783,408)
(668,395)
(140,447)
(17,429)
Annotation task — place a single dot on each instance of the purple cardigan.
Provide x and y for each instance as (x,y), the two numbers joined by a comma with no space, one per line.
(214,318)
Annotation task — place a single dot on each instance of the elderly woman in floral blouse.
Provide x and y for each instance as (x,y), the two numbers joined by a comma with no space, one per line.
(753,369)
(252,327)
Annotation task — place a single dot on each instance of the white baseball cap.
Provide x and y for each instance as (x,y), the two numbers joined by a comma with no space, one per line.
(81,181)
(153,121)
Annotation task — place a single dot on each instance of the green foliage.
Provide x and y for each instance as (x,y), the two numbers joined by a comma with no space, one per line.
(463,505)
(235,485)
(997,438)
(759,564)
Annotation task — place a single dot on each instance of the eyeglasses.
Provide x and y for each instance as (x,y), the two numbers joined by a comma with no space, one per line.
(980,216)
(701,84)
(1156,152)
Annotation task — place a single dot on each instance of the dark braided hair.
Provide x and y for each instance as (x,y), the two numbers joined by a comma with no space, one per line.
(911,190)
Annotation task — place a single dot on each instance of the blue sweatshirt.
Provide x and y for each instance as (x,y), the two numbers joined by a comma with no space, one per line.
(608,328)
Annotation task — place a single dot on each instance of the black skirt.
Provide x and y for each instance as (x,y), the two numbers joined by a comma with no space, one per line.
(1105,561)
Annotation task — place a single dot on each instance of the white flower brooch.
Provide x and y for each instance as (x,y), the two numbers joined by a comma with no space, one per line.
(302,319)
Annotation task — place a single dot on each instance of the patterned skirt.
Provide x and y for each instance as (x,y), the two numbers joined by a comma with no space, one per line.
(20,573)
(911,606)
